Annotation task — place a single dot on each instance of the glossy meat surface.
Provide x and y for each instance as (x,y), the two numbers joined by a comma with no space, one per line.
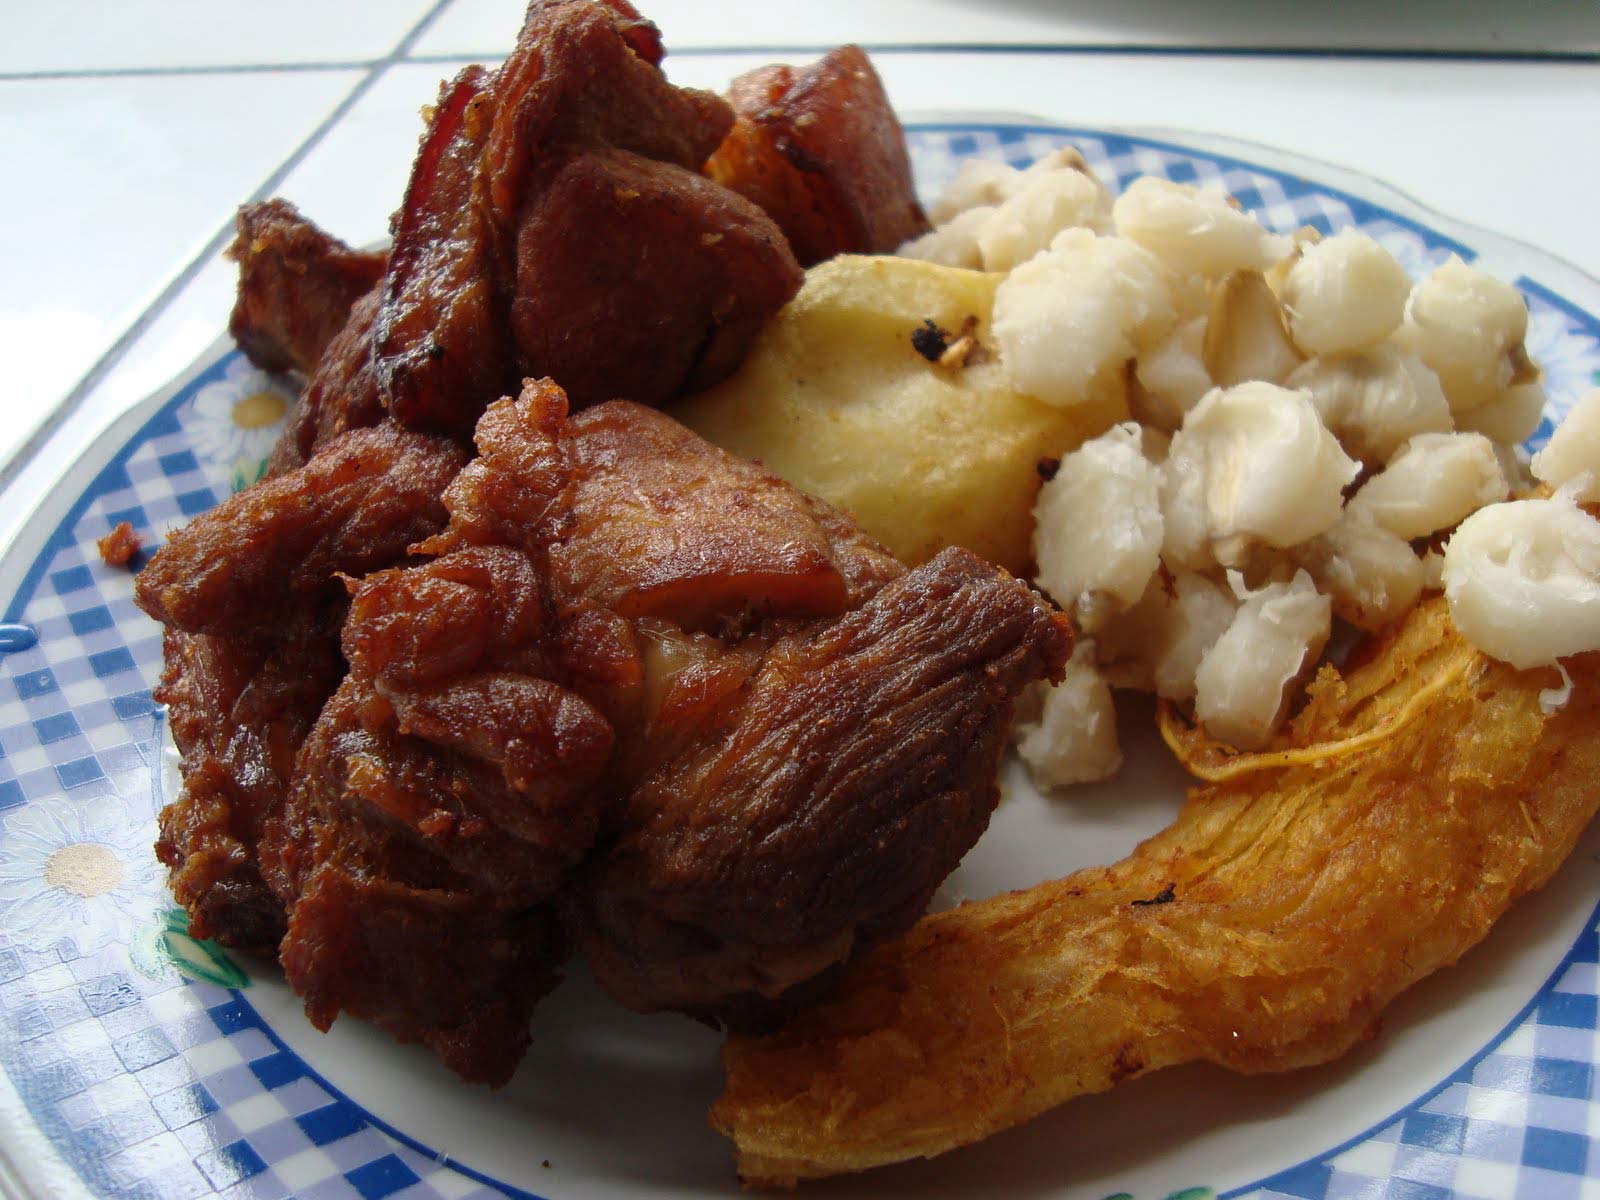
(406,906)
(822,152)
(695,536)
(441,717)
(296,286)
(341,395)
(817,806)
(239,709)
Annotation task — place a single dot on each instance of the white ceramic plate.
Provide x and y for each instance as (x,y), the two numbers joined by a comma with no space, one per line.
(139,1062)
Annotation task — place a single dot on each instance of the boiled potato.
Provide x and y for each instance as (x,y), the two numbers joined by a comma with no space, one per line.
(837,400)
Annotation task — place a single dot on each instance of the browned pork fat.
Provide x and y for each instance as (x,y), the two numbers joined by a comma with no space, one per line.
(822,152)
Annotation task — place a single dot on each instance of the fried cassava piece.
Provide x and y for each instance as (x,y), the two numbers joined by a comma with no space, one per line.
(1294,896)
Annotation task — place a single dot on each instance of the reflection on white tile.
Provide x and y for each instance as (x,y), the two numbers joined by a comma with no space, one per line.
(95,35)
(114,192)
(480,27)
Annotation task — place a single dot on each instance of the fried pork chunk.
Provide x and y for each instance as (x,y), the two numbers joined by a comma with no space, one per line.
(650,687)
(555,224)
(296,286)
(638,694)
(821,151)
(238,709)
(253,609)
(820,804)
(252,565)
(341,395)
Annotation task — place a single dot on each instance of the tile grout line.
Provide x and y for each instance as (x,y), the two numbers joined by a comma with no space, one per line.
(1145,49)
(72,402)
(1151,49)
(75,73)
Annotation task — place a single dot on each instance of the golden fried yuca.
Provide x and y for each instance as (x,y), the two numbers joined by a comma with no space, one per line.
(837,400)
(1266,929)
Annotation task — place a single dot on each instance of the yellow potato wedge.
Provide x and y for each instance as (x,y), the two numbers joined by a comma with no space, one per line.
(837,400)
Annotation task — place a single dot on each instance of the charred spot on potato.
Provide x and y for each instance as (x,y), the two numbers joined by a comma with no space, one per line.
(930,341)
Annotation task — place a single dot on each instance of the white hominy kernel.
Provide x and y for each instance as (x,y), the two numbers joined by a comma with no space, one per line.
(1172,376)
(1574,450)
(1433,571)
(1200,613)
(1097,526)
(1372,575)
(1516,466)
(1075,738)
(1511,417)
(1374,401)
(953,244)
(1435,481)
(1523,580)
(1246,337)
(1243,684)
(1252,462)
(1065,158)
(1344,293)
(1046,203)
(1085,305)
(1156,646)
(978,183)
(1195,230)
(1278,273)
(1468,327)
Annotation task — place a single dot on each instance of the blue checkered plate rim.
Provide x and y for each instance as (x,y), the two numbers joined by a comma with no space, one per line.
(140,1062)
